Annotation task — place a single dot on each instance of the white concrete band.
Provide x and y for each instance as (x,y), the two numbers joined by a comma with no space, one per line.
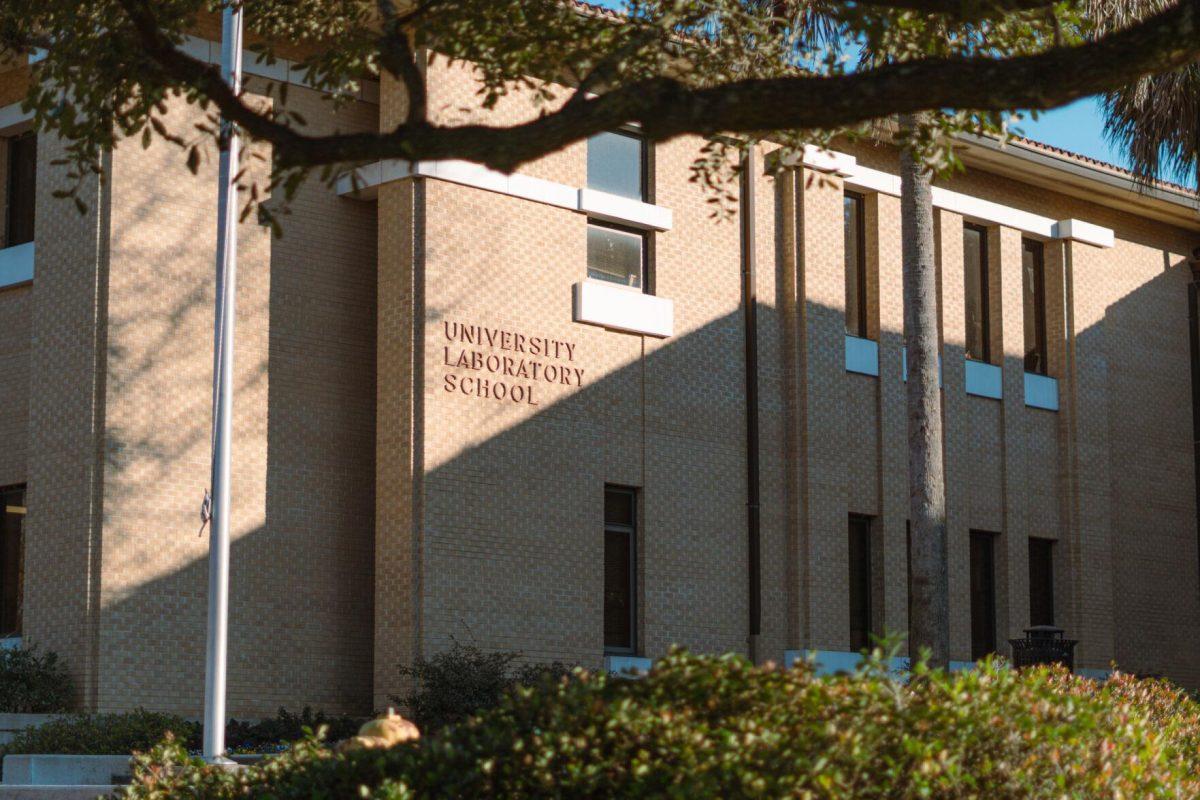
(974,208)
(622,308)
(365,181)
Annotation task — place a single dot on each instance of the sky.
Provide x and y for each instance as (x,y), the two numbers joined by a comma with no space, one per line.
(1078,127)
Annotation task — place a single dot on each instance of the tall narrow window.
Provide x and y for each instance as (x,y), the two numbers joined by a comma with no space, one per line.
(975,262)
(1033,286)
(616,163)
(860,582)
(22,189)
(983,594)
(854,226)
(620,570)
(12,544)
(1041,581)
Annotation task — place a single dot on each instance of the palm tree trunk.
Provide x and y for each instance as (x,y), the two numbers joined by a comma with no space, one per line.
(930,618)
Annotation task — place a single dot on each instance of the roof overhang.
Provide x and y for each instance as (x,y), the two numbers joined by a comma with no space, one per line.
(1063,174)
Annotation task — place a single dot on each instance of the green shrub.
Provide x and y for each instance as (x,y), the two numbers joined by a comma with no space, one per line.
(700,727)
(33,683)
(463,681)
(108,734)
(286,727)
(102,734)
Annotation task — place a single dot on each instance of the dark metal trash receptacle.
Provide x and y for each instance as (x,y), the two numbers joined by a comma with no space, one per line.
(1043,644)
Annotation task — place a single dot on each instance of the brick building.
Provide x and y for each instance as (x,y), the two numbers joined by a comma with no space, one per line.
(567,412)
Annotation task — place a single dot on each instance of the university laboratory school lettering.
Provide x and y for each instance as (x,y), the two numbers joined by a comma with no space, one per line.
(514,374)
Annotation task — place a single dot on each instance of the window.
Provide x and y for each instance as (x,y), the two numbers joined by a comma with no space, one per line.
(983,594)
(860,582)
(975,262)
(1033,290)
(616,163)
(856,265)
(616,254)
(620,570)
(12,552)
(22,189)
(1041,581)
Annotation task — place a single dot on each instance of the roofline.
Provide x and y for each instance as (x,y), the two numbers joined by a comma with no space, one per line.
(1062,173)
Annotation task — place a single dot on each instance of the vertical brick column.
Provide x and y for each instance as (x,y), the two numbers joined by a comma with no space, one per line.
(891,537)
(398,435)
(66,420)
(400,210)
(956,430)
(1085,549)
(824,550)
(1012,556)
(775,383)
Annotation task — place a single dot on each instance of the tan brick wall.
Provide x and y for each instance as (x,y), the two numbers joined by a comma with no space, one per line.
(500,542)
(300,626)
(66,419)
(120,426)
(1124,582)
(378,516)
(398,556)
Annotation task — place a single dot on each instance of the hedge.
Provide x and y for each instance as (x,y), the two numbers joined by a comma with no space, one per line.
(720,727)
(33,682)
(464,680)
(140,730)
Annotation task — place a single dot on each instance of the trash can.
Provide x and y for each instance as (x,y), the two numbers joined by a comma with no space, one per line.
(1043,644)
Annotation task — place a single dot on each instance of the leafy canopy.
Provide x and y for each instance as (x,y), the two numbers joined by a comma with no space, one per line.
(796,71)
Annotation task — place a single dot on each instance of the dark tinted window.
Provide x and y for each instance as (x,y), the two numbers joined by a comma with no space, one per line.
(22,189)
(12,552)
(983,594)
(975,262)
(854,229)
(860,582)
(1041,581)
(1033,291)
(620,583)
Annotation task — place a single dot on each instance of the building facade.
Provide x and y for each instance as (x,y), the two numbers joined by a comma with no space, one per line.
(570,413)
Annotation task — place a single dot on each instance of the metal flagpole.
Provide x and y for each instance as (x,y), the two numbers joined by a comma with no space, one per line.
(218,547)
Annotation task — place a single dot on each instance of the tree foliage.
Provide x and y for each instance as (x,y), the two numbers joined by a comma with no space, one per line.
(787,69)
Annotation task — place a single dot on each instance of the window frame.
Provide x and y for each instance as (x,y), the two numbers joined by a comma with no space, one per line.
(1038,251)
(6,493)
(630,532)
(644,278)
(979,648)
(10,211)
(860,264)
(860,525)
(1048,546)
(985,300)
(643,161)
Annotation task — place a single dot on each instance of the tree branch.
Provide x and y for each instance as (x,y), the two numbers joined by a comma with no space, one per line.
(667,108)
(961,9)
(397,57)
